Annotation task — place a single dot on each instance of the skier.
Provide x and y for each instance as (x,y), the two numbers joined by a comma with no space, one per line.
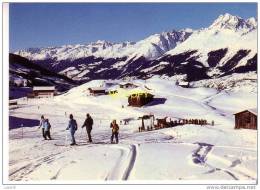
(42,121)
(88,124)
(115,129)
(72,127)
(47,127)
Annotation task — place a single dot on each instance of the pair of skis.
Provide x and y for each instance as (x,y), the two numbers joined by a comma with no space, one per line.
(66,140)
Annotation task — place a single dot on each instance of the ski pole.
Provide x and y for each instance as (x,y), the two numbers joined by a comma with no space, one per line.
(66,138)
(80,134)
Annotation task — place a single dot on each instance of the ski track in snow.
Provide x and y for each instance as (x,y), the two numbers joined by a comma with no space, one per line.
(132,158)
(124,164)
(199,156)
(20,173)
(233,168)
(126,161)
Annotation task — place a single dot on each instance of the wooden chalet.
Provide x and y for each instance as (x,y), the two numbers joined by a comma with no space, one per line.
(95,91)
(42,92)
(140,99)
(127,85)
(13,102)
(246,119)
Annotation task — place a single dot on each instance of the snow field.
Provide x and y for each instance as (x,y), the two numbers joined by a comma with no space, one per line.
(188,152)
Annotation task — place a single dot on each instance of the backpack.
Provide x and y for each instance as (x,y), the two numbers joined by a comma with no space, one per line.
(115,128)
(91,121)
(75,125)
(49,126)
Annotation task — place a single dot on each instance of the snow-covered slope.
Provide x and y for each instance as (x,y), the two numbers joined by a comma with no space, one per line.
(176,155)
(22,69)
(233,82)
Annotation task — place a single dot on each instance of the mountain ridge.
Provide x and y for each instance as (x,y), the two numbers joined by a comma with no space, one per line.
(228,45)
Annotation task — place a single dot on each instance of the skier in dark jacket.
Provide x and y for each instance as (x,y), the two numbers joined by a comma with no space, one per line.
(115,129)
(88,124)
(42,121)
(47,127)
(73,128)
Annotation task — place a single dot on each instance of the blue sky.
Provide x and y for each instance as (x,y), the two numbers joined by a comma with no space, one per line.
(54,24)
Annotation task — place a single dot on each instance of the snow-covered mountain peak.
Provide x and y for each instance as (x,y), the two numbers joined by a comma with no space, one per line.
(228,21)
(33,50)
(252,21)
(102,43)
(157,44)
(188,30)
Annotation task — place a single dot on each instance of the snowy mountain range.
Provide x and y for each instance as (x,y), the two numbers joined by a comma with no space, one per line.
(228,45)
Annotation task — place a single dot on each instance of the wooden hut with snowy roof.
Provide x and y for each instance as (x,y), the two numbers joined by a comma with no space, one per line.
(127,85)
(95,91)
(246,119)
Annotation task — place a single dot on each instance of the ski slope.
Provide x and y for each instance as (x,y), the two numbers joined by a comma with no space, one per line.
(183,154)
